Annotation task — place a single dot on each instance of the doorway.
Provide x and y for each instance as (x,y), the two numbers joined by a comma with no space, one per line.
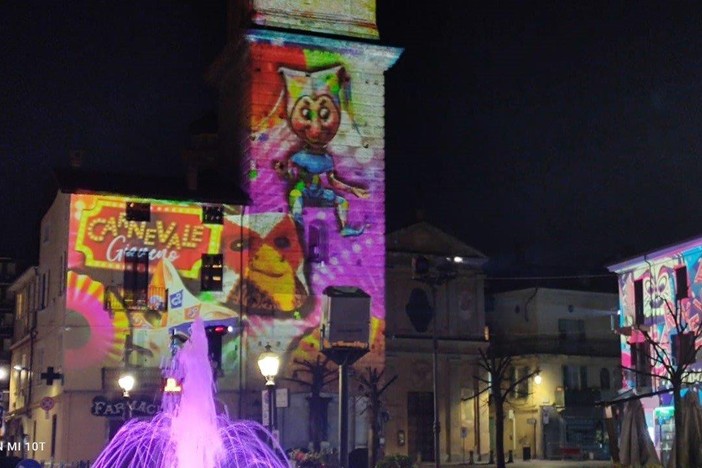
(420,425)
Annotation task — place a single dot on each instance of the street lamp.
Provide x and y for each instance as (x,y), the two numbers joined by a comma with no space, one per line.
(269,363)
(441,274)
(126,383)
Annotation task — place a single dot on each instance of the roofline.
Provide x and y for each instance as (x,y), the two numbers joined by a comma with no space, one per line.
(23,278)
(138,188)
(540,290)
(652,255)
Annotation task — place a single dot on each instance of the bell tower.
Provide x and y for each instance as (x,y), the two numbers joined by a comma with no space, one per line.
(302,117)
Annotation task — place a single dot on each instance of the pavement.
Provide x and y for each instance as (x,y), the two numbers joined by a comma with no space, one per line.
(535,464)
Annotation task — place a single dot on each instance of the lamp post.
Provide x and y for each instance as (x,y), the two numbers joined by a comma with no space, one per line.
(537,380)
(443,272)
(269,363)
(126,383)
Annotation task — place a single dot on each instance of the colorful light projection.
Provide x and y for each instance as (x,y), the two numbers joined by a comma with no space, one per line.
(317,155)
(315,175)
(659,292)
(101,317)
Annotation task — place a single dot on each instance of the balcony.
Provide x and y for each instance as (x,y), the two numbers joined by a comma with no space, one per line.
(119,298)
(558,345)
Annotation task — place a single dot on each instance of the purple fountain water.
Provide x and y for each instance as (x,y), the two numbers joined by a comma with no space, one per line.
(188,432)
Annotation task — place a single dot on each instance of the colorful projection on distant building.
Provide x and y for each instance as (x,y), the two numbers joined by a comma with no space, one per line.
(658,280)
(317,154)
(175,233)
(115,318)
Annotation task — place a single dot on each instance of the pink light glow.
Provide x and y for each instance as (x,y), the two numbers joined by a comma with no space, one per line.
(187,432)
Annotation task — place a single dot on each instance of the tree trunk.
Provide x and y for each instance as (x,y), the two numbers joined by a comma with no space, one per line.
(679,443)
(317,423)
(374,442)
(499,431)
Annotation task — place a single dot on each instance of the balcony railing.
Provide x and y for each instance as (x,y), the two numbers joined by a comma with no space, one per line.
(557,345)
(121,298)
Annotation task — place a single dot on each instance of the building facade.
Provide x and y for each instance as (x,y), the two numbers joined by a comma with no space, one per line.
(456,307)
(128,262)
(118,276)
(301,121)
(567,336)
(9,270)
(656,290)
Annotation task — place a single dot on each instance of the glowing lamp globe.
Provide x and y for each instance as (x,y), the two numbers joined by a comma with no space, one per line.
(537,379)
(126,383)
(269,363)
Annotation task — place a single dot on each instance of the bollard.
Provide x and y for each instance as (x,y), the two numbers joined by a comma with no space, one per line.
(492,458)
(470,458)
(510,458)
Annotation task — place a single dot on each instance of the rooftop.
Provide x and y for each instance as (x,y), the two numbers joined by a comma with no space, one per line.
(210,188)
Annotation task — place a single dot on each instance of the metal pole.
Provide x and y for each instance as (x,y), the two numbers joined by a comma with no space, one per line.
(128,408)
(271,391)
(435,363)
(274,409)
(343,415)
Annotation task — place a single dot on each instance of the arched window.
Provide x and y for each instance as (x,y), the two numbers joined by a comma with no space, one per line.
(604,379)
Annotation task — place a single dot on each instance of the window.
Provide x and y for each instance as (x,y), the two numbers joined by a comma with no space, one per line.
(519,374)
(574,377)
(138,211)
(136,276)
(571,329)
(46,233)
(212,215)
(62,275)
(638,303)
(43,299)
(521,390)
(683,348)
(681,283)
(211,272)
(641,363)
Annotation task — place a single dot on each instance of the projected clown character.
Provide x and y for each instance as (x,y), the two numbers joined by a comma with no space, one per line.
(314,115)
(264,264)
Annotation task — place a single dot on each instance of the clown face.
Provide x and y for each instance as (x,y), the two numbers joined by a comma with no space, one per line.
(313,104)
(315,120)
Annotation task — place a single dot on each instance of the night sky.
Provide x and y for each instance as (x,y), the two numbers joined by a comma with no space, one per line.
(556,137)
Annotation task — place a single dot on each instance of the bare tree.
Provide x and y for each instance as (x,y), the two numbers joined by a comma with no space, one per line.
(497,362)
(319,376)
(372,389)
(669,358)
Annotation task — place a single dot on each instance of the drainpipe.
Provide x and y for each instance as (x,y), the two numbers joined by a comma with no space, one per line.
(32,339)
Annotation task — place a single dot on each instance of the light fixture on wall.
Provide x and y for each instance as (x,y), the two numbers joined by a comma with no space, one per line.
(537,378)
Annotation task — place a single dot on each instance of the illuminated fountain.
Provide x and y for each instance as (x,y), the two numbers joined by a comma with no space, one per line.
(188,432)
